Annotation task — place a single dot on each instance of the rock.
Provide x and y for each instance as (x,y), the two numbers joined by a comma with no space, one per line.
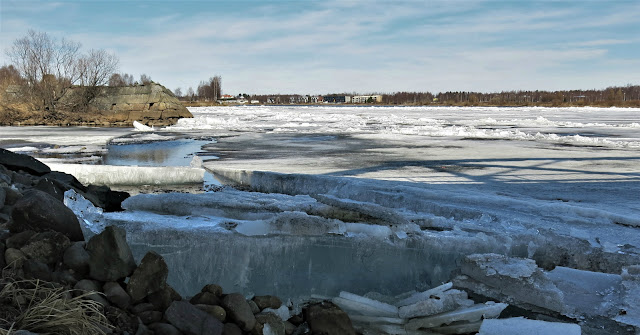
(65,181)
(51,187)
(327,318)
(123,322)
(190,320)
(47,247)
(238,311)
(17,241)
(86,286)
(296,319)
(5,218)
(116,295)
(76,258)
(205,298)
(215,311)
(163,329)
(40,212)
(270,321)
(289,328)
(267,301)
(17,162)
(163,298)
(19,178)
(36,270)
(149,277)
(302,329)
(110,258)
(231,329)
(143,307)
(2,261)
(213,288)
(11,196)
(149,317)
(3,194)
(254,307)
(105,198)
(14,258)
(64,277)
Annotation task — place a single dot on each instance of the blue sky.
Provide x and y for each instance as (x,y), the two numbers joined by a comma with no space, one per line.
(318,47)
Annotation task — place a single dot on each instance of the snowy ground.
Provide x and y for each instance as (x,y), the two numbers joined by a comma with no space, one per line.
(385,199)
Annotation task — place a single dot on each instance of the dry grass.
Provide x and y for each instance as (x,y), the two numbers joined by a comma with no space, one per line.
(43,308)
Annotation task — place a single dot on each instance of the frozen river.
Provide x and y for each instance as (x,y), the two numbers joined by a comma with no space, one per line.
(383,199)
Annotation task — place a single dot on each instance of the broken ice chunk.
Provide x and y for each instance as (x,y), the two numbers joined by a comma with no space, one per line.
(423,295)
(438,303)
(630,310)
(522,326)
(377,319)
(510,279)
(477,312)
(374,303)
(359,308)
(463,328)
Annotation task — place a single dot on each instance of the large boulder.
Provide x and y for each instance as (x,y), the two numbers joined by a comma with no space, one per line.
(40,212)
(105,198)
(26,163)
(149,277)
(192,321)
(327,318)
(47,247)
(110,258)
(238,311)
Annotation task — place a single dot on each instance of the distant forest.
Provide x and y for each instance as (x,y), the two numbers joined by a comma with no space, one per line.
(625,96)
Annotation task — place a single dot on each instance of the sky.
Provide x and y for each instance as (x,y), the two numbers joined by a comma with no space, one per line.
(320,47)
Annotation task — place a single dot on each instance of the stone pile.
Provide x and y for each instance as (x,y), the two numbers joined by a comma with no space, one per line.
(40,238)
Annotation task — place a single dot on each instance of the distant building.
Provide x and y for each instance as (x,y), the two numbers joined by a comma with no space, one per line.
(361,99)
(337,99)
(255,101)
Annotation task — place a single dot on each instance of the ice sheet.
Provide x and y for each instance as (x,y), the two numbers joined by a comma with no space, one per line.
(131,175)
(522,326)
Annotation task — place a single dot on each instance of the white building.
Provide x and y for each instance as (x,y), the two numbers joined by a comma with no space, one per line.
(360,99)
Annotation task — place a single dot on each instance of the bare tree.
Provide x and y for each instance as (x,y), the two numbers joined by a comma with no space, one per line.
(9,75)
(51,67)
(190,94)
(177,92)
(116,80)
(145,79)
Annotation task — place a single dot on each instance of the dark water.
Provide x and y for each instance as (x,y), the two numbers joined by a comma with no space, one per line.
(160,153)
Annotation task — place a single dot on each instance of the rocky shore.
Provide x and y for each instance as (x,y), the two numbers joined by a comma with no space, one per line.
(151,104)
(47,263)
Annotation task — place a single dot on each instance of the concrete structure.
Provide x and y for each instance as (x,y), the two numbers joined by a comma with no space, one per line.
(360,99)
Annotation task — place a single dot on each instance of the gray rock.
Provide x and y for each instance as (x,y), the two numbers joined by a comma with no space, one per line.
(327,318)
(117,295)
(149,277)
(14,258)
(215,311)
(5,218)
(104,197)
(270,320)
(47,247)
(51,187)
(163,298)
(213,288)
(65,180)
(231,329)
(143,307)
(40,212)
(17,162)
(86,286)
(17,241)
(19,178)
(76,258)
(2,261)
(11,196)
(205,298)
(64,277)
(36,270)
(192,321)
(254,307)
(267,301)
(239,311)
(149,317)
(3,194)
(289,328)
(110,258)
(164,329)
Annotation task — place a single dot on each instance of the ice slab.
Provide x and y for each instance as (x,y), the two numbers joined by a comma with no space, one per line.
(474,313)
(360,308)
(522,326)
(416,297)
(436,304)
(141,127)
(629,309)
(131,175)
(90,217)
(371,302)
